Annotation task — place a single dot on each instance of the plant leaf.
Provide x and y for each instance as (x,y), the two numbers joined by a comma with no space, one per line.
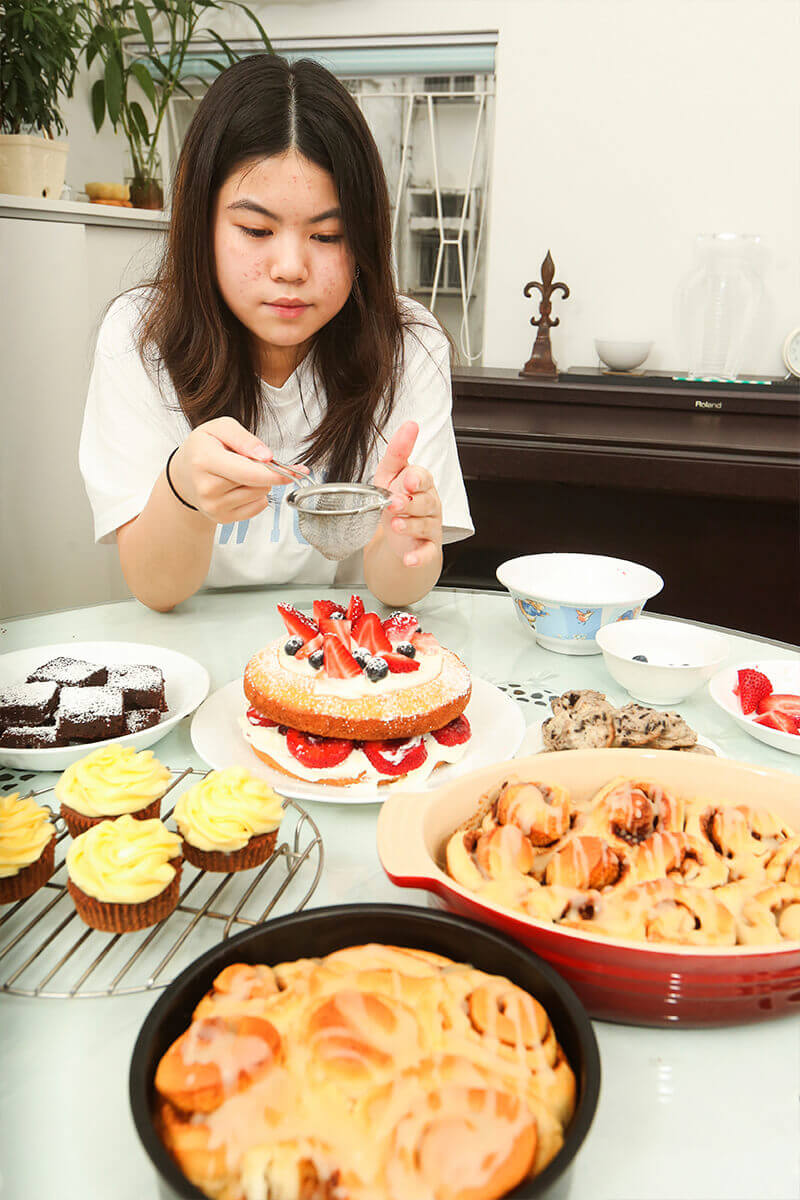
(113,89)
(98,102)
(140,120)
(258,26)
(145,81)
(231,57)
(145,24)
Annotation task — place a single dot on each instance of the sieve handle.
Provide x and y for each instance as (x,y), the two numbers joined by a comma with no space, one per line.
(289,472)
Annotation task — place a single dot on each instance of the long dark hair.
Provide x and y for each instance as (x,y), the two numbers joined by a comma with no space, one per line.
(259,107)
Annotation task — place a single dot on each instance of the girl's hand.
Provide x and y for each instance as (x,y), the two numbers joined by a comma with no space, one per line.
(412,522)
(223,470)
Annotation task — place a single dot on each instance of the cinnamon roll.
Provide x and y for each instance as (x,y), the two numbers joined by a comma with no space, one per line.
(540,810)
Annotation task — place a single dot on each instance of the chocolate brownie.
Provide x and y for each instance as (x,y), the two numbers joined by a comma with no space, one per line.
(27,703)
(137,719)
(33,737)
(70,672)
(142,686)
(91,713)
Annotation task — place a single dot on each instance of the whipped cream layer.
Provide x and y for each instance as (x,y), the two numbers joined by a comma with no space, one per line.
(430,666)
(112,780)
(25,830)
(356,766)
(226,809)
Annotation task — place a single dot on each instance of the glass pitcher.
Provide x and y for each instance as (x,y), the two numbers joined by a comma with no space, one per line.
(717,304)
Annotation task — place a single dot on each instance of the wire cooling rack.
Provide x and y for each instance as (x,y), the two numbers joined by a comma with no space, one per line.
(46,950)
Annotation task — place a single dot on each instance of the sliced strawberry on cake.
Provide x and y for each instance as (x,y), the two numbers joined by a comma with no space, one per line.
(399,626)
(317,752)
(369,634)
(455,733)
(337,626)
(396,756)
(324,609)
(297,622)
(398,664)
(309,648)
(355,609)
(339,662)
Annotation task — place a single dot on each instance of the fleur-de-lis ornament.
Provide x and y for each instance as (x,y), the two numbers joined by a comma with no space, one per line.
(541,359)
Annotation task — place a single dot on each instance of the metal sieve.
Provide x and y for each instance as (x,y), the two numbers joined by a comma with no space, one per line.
(335,518)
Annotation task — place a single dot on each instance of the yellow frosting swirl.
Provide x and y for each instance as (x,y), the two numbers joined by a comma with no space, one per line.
(25,830)
(124,861)
(226,809)
(112,780)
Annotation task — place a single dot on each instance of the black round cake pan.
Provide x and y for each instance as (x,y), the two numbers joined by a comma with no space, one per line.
(319,931)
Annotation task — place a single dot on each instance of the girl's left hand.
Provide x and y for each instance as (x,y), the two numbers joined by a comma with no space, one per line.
(412,522)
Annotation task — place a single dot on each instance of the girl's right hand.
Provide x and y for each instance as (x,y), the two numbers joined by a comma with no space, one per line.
(223,470)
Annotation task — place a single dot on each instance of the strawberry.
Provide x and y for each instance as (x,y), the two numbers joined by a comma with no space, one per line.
(309,648)
(337,626)
(355,609)
(324,609)
(399,626)
(425,642)
(257,718)
(297,622)
(752,687)
(397,755)
(339,662)
(454,734)
(783,702)
(779,720)
(398,664)
(317,752)
(368,632)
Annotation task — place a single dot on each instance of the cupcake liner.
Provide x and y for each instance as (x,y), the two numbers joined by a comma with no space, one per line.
(77,823)
(30,878)
(256,852)
(113,917)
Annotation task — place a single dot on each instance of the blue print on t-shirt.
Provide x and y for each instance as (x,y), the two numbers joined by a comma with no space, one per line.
(278,508)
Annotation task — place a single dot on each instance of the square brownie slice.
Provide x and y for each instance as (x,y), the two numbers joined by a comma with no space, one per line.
(91,713)
(70,672)
(137,719)
(27,703)
(33,737)
(142,686)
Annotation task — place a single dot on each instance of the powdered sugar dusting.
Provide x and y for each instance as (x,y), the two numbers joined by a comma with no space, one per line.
(28,693)
(69,671)
(91,702)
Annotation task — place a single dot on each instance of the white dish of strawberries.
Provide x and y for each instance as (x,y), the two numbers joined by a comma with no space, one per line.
(764,699)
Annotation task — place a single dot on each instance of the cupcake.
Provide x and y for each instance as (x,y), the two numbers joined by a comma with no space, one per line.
(27,847)
(228,821)
(109,782)
(124,874)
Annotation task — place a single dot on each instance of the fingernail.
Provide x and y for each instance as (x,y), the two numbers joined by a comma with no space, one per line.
(411,560)
(399,525)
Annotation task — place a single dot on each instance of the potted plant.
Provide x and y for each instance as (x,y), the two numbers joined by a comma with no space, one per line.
(158,69)
(40,43)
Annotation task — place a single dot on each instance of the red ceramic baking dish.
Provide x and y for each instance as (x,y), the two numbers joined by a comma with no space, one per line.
(320,931)
(632,982)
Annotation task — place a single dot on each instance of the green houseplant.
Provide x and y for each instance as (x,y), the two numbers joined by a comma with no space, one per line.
(40,44)
(173,45)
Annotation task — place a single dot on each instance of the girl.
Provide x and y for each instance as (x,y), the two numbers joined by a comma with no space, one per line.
(272,329)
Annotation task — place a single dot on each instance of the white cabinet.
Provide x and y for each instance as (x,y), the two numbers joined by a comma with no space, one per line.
(60,266)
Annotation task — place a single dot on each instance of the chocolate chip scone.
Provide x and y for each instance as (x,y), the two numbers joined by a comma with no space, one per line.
(677,735)
(637,725)
(593,729)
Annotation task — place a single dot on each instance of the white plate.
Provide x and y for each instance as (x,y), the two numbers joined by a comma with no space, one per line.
(533,742)
(497,729)
(783,674)
(186,684)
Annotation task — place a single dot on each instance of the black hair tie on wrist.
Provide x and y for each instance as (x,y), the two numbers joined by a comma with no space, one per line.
(172,488)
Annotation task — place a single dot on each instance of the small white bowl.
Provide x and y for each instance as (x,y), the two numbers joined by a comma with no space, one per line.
(680,658)
(622,356)
(783,674)
(565,598)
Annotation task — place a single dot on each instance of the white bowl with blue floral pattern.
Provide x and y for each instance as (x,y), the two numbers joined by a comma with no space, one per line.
(565,598)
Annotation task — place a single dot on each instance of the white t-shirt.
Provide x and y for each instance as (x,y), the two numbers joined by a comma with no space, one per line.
(133,421)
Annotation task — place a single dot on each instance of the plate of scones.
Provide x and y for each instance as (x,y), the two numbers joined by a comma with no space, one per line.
(59,702)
